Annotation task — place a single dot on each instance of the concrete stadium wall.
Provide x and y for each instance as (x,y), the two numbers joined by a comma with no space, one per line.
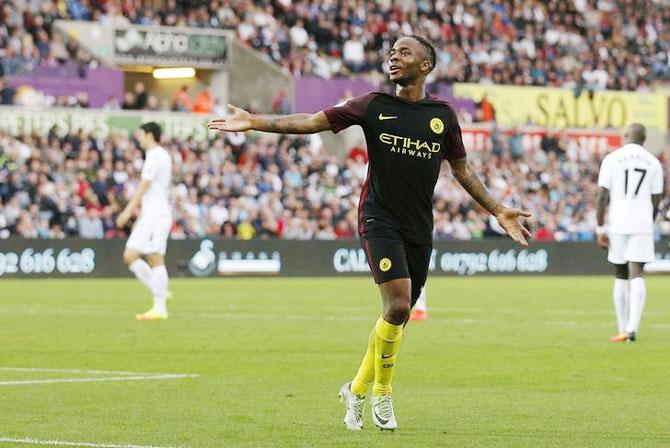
(255,80)
(217,257)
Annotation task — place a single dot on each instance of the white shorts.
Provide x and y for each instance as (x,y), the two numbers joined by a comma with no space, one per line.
(150,235)
(637,247)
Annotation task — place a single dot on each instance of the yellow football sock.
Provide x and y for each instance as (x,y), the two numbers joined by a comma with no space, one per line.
(387,344)
(366,372)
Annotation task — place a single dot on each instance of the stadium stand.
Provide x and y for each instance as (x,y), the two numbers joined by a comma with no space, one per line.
(591,44)
(287,187)
(585,44)
(26,40)
(267,186)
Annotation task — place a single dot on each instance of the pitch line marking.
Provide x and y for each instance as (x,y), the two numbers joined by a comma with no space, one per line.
(121,376)
(96,380)
(31,441)
(100,372)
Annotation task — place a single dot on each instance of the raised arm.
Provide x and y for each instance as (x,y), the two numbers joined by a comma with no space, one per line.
(508,218)
(240,120)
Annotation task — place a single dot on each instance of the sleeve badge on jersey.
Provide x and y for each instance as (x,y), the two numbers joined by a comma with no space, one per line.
(436,125)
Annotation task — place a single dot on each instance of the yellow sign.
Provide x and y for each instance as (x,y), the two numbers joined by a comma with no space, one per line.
(436,125)
(560,108)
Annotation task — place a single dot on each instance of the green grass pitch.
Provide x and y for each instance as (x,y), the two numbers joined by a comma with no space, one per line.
(508,362)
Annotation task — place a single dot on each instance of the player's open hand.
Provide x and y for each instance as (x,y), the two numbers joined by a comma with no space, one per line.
(508,218)
(123,219)
(239,120)
(603,240)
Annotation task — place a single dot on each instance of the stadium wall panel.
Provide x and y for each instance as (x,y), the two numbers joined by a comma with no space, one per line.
(217,257)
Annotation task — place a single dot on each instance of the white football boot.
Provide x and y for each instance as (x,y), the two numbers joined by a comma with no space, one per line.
(354,405)
(382,413)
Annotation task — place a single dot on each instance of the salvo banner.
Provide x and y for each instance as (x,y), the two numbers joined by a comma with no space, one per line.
(172,46)
(560,108)
(75,258)
(19,120)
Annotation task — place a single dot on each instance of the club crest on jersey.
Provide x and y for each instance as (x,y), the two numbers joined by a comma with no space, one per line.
(436,125)
(385,264)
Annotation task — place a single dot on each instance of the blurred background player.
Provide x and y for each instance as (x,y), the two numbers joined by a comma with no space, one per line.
(420,310)
(150,233)
(631,183)
(408,136)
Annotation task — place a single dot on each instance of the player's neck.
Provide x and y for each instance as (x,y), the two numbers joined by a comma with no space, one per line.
(412,92)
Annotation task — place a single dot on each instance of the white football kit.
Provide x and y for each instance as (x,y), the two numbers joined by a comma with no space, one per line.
(151,231)
(632,175)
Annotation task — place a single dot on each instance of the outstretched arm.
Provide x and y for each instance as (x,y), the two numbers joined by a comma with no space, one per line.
(240,120)
(508,218)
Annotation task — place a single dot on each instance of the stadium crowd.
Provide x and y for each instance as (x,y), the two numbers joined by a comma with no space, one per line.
(27,40)
(264,186)
(269,186)
(582,44)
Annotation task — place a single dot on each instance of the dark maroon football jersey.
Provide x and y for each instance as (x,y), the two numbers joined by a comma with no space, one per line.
(407,142)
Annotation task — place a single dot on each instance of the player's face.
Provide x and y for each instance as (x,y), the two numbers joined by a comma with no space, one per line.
(407,61)
(144,139)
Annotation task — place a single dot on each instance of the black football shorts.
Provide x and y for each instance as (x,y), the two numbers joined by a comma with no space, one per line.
(391,257)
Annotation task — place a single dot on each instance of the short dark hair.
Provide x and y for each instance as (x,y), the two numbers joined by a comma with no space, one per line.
(154,129)
(428,48)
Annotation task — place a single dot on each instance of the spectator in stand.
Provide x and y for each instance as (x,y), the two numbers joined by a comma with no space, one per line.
(485,110)
(203,103)
(594,44)
(112,103)
(141,96)
(81,100)
(553,142)
(516,144)
(72,183)
(7,93)
(182,100)
(90,225)
(353,53)
(281,103)
(128,101)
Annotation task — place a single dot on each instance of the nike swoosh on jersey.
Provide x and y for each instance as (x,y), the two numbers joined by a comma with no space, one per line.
(383,117)
(387,356)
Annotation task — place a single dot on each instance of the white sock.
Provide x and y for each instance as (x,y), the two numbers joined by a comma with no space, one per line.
(620,295)
(638,295)
(142,271)
(421,301)
(159,280)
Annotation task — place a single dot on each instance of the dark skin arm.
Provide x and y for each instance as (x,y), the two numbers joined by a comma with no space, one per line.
(508,218)
(655,201)
(240,120)
(602,200)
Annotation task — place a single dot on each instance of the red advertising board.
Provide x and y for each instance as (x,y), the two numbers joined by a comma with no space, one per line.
(478,138)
